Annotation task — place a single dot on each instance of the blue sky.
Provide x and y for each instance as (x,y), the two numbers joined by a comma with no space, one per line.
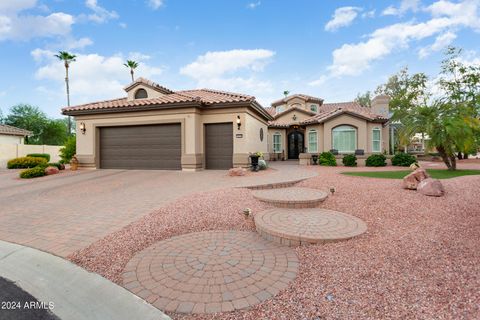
(330,49)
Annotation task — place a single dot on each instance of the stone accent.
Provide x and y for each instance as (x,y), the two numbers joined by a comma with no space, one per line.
(412,180)
(431,187)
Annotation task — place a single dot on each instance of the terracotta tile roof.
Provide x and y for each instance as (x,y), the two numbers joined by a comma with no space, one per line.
(278,124)
(271,110)
(14,131)
(329,110)
(149,83)
(209,96)
(304,97)
(277,115)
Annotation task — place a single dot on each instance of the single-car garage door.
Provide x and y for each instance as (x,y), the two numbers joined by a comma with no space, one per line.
(141,147)
(219,146)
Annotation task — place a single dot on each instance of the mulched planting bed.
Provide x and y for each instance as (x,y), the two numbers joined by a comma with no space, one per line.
(419,258)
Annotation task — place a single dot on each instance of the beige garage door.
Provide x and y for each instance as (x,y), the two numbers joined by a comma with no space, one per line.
(219,146)
(141,147)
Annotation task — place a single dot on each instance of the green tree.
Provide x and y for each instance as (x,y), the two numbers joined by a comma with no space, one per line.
(54,132)
(67,58)
(132,65)
(365,99)
(29,118)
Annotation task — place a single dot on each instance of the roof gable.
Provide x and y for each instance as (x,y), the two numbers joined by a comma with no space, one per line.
(153,85)
(303,97)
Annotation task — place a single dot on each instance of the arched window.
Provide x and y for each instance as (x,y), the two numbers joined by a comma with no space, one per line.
(344,139)
(376,140)
(141,94)
(277,142)
(313,108)
(312,141)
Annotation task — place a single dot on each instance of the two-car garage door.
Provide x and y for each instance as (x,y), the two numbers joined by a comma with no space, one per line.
(160,146)
(141,147)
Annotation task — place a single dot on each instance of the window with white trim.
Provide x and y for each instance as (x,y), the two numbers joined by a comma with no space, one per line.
(277,142)
(344,139)
(313,108)
(312,141)
(376,140)
(280,108)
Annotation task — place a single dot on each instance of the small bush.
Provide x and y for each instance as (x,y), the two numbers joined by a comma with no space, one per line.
(376,160)
(32,173)
(327,159)
(349,160)
(46,156)
(60,166)
(25,162)
(403,159)
(262,164)
(69,150)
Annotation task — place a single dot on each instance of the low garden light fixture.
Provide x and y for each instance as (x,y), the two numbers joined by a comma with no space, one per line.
(82,127)
(239,122)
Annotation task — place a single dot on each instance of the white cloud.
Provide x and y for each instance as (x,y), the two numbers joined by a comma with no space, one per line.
(319,82)
(369,14)
(342,17)
(405,5)
(353,59)
(100,14)
(155,4)
(123,25)
(253,5)
(441,42)
(234,70)
(87,74)
(14,6)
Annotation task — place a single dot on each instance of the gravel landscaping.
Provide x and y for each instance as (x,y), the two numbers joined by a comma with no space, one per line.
(419,258)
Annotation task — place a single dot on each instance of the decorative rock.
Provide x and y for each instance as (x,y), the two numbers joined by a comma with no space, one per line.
(237,172)
(412,180)
(51,170)
(414,166)
(431,187)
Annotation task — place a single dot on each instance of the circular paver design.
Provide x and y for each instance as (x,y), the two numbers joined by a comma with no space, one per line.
(304,226)
(294,197)
(211,271)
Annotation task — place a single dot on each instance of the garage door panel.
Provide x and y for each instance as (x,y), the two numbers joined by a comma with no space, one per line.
(141,147)
(219,146)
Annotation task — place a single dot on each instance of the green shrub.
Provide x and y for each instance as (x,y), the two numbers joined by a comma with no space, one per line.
(69,150)
(33,173)
(403,159)
(376,160)
(59,165)
(40,155)
(262,164)
(327,159)
(349,160)
(25,162)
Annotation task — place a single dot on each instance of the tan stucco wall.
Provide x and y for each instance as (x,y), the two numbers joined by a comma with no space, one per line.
(360,124)
(9,151)
(6,138)
(287,117)
(192,122)
(150,92)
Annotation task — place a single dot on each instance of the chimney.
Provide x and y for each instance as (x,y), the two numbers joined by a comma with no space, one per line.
(380,105)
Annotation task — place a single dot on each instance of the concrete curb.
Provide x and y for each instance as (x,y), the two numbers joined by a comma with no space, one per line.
(75,292)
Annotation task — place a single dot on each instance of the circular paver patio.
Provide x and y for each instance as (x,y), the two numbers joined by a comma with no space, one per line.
(294,197)
(305,226)
(211,271)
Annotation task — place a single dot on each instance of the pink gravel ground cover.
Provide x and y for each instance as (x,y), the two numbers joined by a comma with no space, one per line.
(418,260)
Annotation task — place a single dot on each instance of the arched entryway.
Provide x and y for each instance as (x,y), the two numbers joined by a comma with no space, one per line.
(295,144)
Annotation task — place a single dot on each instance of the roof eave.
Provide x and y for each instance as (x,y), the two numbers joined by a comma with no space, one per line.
(131,108)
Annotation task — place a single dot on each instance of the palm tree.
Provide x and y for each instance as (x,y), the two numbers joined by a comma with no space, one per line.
(67,58)
(286,93)
(132,65)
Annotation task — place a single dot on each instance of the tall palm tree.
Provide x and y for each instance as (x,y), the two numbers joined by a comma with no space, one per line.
(132,65)
(286,93)
(67,58)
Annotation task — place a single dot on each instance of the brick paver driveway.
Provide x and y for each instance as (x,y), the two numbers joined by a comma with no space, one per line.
(69,211)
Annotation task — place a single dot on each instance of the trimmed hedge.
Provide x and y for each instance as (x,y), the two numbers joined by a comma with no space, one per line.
(376,160)
(403,159)
(25,162)
(349,160)
(327,159)
(33,173)
(46,156)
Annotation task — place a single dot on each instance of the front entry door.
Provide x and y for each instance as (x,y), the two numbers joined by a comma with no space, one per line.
(295,144)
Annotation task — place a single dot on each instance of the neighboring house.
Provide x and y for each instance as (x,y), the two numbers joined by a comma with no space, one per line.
(13,135)
(304,125)
(156,128)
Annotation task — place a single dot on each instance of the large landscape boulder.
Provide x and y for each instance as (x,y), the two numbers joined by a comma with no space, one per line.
(431,187)
(237,172)
(51,170)
(412,180)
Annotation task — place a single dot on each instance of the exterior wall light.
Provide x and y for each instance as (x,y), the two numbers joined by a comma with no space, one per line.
(82,127)
(239,122)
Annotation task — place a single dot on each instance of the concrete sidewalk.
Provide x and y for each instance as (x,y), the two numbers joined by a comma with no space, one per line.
(75,293)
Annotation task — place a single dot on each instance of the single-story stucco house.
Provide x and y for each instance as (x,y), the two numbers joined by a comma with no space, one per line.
(156,128)
(13,135)
(304,125)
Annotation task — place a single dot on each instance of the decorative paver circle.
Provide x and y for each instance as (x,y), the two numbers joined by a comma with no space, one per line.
(303,226)
(294,197)
(211,271)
